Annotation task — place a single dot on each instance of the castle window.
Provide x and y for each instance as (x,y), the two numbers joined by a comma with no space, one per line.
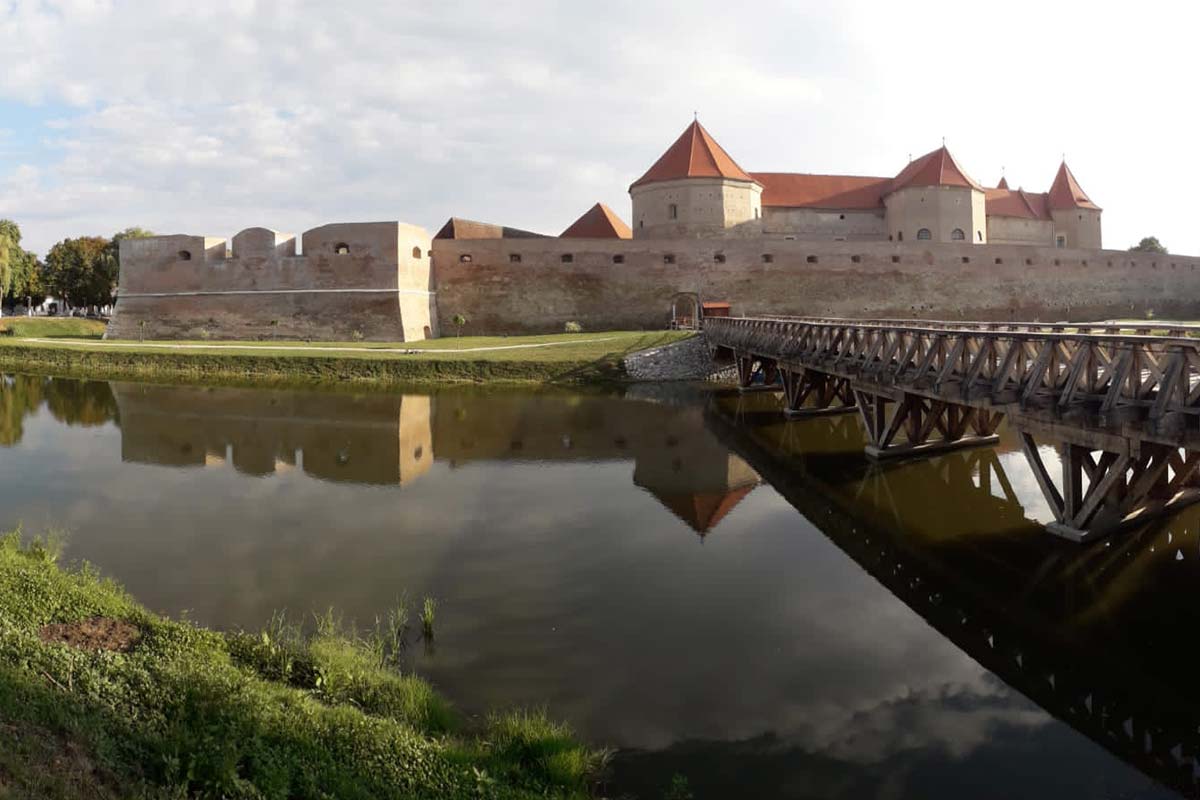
(184,255)
(416,252)
(342,249)
(567,258)
(999,260)
(618,259)
(669,258)
(767,258)
(719,258)
(811,259)
(1058,262)
(841,216)
(966,259)
(673,211)
(924,234)
(757,212)
(979,235)
(900,236)
(895,259)
(958,235)
(514,258)
(1060,241)
(465,258)
(856,259)
(1029,262)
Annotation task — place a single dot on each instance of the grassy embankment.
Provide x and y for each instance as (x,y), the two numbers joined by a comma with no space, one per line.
(73,348)
(101,698)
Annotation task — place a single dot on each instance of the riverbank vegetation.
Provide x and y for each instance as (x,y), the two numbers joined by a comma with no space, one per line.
(101,698)
(558,358)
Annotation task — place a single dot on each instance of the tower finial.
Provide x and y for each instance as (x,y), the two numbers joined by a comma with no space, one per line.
(695,116)
(943,141)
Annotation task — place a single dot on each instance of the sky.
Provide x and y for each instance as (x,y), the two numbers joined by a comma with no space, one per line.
(207,118)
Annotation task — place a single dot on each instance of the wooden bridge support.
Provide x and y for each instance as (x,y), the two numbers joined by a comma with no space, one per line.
(910,424)
(829,393)
(1109,483)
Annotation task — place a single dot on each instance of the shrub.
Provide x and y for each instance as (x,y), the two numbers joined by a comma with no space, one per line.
(573,327)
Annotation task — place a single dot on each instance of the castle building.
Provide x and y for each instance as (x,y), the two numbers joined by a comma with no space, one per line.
(696,189)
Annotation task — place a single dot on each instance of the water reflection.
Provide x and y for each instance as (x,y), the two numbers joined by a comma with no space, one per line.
(848,631)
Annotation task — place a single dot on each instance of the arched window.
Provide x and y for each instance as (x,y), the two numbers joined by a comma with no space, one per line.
(900,236)
(416,252)
(958,235)
(924,234)
(341,249)
(184,255)
(673,211)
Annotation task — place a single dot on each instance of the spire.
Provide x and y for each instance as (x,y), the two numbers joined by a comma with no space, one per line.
(598,222)
(934,169)
(1066,192)
(1003,184)
(695,154)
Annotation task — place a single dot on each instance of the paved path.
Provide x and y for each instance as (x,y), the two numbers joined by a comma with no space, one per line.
(293,349)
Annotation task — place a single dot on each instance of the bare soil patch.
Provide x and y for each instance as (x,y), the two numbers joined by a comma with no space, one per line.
(97,633)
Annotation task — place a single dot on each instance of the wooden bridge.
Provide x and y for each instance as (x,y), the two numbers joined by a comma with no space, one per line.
(1121,403)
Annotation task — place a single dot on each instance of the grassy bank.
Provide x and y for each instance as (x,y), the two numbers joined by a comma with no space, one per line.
(63,327)
(563,358)
(101,698)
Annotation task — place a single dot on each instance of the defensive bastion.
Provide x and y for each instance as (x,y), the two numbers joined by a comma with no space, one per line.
(366,280)
(389,281)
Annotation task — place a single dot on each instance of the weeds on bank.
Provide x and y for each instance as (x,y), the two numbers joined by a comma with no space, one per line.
(274,714)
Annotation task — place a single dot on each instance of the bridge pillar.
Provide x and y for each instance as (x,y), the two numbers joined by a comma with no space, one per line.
(907,424)
(1108,482)
(829,393)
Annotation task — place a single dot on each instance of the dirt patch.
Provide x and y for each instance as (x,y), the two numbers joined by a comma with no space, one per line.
(97,633)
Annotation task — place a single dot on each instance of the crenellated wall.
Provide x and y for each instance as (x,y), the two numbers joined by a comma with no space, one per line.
(541,292)
(368,280)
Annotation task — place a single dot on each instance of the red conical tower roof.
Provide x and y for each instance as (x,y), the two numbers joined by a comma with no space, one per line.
(598,222)
(1003,184)
(695,154)
(1066,193)
(934,169)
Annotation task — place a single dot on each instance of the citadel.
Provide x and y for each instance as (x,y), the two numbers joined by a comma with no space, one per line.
(929,241)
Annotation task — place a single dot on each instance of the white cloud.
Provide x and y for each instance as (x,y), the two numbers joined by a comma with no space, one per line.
(216,116)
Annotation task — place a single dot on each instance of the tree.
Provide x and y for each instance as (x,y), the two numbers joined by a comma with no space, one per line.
(83,271)
(10,250)
(1150,244)
(26,282)
(459,321)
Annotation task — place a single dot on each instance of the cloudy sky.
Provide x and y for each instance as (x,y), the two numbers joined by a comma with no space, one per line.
(215,116)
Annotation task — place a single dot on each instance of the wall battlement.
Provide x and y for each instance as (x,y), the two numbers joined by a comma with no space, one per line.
(369,280)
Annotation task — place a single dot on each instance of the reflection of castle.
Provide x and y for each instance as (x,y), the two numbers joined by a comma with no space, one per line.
(386,439)
(372,439)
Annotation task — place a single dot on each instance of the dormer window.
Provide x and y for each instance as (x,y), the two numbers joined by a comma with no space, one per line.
(924,234)
(958,235)
(341,249)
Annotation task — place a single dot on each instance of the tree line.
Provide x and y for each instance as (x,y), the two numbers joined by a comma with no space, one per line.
(81,272)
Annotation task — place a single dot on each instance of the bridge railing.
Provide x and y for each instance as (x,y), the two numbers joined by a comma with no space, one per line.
(1111,366)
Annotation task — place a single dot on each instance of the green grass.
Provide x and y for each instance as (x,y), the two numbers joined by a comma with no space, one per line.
(573,358)
(191,712)
(58,327)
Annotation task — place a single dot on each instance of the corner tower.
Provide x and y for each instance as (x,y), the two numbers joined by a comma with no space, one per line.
(694,189)
(933,199)
(1076,217)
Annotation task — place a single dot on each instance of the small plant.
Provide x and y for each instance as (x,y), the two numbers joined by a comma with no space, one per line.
(459,321)
(141,330)
(428,610)
(679,789)
(204,334)
(573,327)
(273,323)
(357,335)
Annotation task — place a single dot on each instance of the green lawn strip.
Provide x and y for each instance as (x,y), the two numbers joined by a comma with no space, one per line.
(572,363)
(72,327)
(192,712)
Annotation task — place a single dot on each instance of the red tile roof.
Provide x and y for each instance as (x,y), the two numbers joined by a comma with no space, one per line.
(703,511)
(598,222)
(797,190)
(1003,202)
(695,154)
(934,169)
(1003,184)
(1066,193)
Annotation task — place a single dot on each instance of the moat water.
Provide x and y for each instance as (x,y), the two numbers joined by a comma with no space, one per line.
(684,577)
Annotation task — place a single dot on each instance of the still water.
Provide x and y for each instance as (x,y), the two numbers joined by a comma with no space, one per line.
(683,576)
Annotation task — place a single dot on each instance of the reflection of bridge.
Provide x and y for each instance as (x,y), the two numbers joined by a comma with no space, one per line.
(1029,610)
(1123,406)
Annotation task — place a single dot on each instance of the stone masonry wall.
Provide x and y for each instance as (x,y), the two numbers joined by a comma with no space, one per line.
(541,292)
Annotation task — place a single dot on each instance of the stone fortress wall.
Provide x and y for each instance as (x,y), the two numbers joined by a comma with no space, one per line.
(368,280)
(537,285)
